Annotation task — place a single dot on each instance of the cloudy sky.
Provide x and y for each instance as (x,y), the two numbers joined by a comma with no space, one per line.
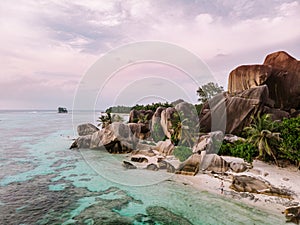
(47,46)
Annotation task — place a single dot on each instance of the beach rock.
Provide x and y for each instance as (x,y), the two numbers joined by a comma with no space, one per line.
(238,167)
(139,159)
(250,184)
(245,183)
(232,138)
(214,163)
(82,142)
(276,114)
(209,142)
(152,166)
(165,147)
(166,118)
(292,214)
(190,166)
(283,84)
(140,130)
(86,129)
(166,165)
(240,108)
(128,165)
(116,138)
(148,153)
(188,111)
(157,131)
(248,76)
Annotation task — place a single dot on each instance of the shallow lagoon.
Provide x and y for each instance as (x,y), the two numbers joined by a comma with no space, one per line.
(43,182)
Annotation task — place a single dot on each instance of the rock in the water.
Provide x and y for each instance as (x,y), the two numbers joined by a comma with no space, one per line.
(116,138)
(166,165)
(128,165)
(190,166)
(165,147)
(210,142)
(164,216)
(292,214)
(86,129)
(238,167)
(152,166)
(248,76)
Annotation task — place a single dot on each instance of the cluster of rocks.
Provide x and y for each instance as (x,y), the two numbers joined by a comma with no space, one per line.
(272,88)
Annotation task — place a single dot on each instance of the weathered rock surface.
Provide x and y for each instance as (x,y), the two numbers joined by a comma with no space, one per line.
(166,117)
(214,163)
(148,153)
(238,167)
(165,147)
(152,166)
(84,141)
(190,166)
(157,131)
(139,159)
(245,183)
(116,138)
(140,130)
(284,82)
(209,142)
(248,76)
(166,165)
(86,129)
(128,165)
(240,107)
(292,214)
(280,72)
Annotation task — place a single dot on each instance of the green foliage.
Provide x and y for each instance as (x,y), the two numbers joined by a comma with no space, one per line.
(152,106)
(158,133)
(198,108)
(244,150)
(207,91)
(290,145)
(261,134)
(118,109)
(182,152)
(104,120)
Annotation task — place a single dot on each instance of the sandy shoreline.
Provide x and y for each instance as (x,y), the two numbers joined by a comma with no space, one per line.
(287,178)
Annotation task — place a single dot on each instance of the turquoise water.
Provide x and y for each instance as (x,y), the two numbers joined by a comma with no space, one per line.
(43,182)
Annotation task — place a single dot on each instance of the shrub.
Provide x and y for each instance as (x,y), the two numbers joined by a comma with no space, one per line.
(244,150)
(290,145)
(182,153)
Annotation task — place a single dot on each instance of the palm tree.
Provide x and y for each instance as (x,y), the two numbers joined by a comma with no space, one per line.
(261,133)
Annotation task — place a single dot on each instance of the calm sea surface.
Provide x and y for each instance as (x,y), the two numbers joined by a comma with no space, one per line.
(43,182)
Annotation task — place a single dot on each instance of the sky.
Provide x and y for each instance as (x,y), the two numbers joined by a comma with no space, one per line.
(48,46)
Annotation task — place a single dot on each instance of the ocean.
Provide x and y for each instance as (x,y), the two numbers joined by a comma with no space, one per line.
(43,182)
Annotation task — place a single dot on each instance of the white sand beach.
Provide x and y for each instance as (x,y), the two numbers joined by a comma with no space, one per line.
(284,178)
